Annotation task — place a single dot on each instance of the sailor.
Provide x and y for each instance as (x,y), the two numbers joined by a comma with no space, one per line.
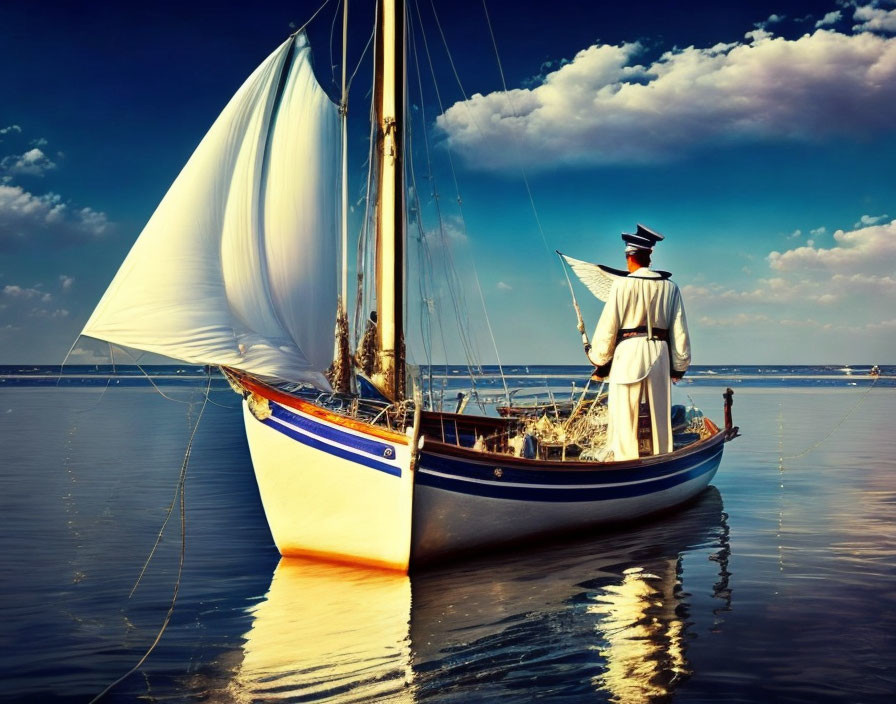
(642,343)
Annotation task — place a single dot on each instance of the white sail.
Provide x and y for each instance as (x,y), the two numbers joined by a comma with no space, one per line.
(238,264)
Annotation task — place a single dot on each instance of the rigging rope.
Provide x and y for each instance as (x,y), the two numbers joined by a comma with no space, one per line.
(181,486)
(575,303)
(424,243)
(364,294)
(451,277)
(515,114)
(512,107)
(424,259)
(311,19)
(361,60)
(838,424)
(457,194)
(105,388)
(332,28)
(816,444)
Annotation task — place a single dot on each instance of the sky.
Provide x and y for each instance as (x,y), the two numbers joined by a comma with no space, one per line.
(758,136)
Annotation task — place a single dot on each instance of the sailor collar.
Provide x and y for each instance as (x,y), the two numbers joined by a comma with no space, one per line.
(645,273)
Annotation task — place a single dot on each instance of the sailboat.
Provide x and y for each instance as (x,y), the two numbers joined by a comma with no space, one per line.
(239,268)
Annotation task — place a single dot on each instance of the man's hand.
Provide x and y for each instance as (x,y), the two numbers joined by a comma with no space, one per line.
(602,372)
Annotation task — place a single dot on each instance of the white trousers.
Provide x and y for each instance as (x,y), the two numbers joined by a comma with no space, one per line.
(624,401)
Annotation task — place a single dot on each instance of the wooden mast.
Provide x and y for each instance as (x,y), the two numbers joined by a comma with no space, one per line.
(389,109)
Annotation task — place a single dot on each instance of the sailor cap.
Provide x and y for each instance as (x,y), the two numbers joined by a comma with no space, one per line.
(643,238)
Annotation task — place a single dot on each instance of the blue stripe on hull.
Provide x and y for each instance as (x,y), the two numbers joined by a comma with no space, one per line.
(558,475)
(371,447)
(317,444)
(676,473)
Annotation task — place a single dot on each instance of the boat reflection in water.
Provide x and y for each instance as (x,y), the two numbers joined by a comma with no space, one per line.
(328,631)
(643,637)
(605,617)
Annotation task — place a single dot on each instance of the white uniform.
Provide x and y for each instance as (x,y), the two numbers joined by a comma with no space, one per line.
(641,365)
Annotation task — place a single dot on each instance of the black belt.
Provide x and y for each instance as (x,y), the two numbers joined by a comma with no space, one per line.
(641,331)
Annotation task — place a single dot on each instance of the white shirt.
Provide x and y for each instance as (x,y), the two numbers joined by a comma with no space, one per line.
(641,293)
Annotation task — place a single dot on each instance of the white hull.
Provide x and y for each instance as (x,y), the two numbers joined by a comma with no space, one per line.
(461,519)
(330,490)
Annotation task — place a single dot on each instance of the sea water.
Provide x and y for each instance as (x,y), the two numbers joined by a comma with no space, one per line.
(776,584)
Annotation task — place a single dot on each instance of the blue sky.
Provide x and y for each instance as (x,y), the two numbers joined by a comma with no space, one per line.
(758,136)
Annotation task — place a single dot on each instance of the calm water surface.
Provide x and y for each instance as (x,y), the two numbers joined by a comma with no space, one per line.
(777,584)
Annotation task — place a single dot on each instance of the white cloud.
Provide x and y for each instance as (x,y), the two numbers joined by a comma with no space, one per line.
(32,163)
(27,294)
(865,284)
(66,282)
(774,290)
(870,18)
(82,354)
(829,18)
(739,320)
(866,251)
(772,19)
(849,285)
(27,218)
(504,286)
(44,313)
(22,302)
(818,231)
(795,234)
(603,107)
(451,232)
(866,220)
(39,142)
(10,129)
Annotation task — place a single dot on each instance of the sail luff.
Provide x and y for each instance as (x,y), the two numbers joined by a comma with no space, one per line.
(389,107)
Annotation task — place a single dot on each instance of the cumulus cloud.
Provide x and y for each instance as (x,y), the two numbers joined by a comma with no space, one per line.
(32,163)
(66,282)
(829,18)
(10,129)
(818,231)
(603,107)
(864,251)
(850,283)
(871,18)
(26,218)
